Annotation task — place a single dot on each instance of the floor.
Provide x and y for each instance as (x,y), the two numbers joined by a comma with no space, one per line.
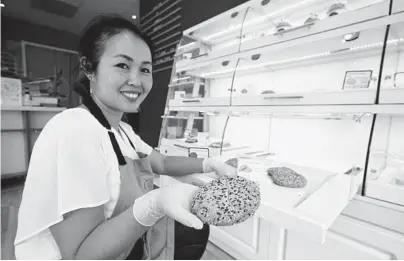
(11,192)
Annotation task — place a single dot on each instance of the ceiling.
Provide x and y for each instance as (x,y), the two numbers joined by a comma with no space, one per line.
(68,15)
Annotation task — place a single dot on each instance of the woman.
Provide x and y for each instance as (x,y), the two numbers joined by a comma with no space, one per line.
(88,192)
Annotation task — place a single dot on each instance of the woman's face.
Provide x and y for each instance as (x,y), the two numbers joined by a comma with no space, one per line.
(123,77)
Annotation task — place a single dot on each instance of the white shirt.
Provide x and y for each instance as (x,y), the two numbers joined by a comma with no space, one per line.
(73,165)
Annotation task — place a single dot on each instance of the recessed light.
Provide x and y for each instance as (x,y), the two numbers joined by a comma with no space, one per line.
(2,5)
(134,16)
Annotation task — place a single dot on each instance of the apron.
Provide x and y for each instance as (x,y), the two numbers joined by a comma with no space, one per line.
(137,180)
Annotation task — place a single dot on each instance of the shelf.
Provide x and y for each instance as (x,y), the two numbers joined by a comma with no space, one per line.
(398,6)
(166,31)
(199,102)
(162,69)
(164,54)
(32,108)
(162,19)
(161,62)
(155,8)
(164,25)
(180,117)
(186,65)
(167,45)
(396,109)
(183,84)
(157,15)
(167,38)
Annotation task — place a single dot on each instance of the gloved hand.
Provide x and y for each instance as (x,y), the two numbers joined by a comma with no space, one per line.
(174,201)
(220,168)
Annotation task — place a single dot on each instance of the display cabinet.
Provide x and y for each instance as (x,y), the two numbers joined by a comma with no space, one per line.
(312,86)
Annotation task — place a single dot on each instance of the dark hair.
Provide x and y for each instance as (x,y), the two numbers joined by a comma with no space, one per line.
(94,37)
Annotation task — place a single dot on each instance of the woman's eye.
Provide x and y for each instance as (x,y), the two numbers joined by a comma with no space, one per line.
(122,66)
(145,70)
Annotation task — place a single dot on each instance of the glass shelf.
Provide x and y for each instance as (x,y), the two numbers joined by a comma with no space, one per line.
(283,20)
(279,75)
(392,82)
(385,174)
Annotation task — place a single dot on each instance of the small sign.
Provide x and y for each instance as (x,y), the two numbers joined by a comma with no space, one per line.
(357,79)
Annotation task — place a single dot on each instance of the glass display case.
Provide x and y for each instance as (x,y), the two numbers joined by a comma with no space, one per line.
(264,22)
(392,82)
(385,174)
(315,89)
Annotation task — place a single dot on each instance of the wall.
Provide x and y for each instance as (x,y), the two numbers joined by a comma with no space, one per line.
(13,29)
(148,121)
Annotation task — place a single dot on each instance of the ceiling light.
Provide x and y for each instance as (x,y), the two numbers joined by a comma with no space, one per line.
(134,17)
(2,5)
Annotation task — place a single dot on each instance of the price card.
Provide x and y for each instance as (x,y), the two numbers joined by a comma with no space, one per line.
(357,80)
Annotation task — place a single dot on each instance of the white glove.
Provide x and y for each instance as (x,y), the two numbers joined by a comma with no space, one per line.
(220,168)
(174,201)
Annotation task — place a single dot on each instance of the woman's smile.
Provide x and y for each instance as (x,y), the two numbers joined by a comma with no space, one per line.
(131,95)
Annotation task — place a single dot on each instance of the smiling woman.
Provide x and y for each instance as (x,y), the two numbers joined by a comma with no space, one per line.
(94,196)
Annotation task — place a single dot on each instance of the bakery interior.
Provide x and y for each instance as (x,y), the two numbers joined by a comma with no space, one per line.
(315,87)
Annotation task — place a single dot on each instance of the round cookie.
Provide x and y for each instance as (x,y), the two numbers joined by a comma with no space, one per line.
(286,177)
(226,201)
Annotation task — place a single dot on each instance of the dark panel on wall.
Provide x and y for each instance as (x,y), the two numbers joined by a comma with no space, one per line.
(17,30)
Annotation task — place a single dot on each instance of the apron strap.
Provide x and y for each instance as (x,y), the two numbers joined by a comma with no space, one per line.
(131,144)
(97,113)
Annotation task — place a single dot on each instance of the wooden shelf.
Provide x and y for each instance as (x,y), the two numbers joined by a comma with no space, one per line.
(167,45)
(166,31)
(162,69)
(164,54)
(164,25)
(160,13)
(161,19)
(167,38)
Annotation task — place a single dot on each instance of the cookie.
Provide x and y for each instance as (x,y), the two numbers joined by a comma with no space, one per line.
(226,201)
(286,177)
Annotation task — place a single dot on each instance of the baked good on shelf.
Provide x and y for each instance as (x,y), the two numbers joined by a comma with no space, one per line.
(287,177)
(226,201)
(232,162)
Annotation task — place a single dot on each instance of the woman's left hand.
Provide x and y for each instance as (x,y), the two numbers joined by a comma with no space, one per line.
(220,168)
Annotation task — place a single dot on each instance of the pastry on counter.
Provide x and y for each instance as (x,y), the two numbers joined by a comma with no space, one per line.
(219,144)
(226,201)
(286,177)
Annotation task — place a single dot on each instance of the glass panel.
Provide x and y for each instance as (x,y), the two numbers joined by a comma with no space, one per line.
(328,143)
(392,84)
(385,174)
(326,71)
(194,130)
(187,89)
